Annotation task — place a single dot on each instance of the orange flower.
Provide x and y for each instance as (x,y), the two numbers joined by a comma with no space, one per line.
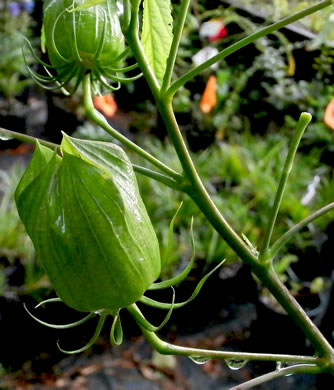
(209,98)
(329,114)
(106,104)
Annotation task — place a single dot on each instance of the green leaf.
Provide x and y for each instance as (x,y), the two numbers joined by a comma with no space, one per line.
(157,34)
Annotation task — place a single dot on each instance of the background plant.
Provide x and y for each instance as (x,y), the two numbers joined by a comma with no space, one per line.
(275,9)
(15,23)
(159,78)
(16,248)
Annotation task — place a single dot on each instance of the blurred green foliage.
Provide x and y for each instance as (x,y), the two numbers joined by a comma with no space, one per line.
(261,81)
(15,24)
(319,22)
(15,245)
(13,242)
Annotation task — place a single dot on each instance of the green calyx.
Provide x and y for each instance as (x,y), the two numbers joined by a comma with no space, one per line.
(87,34)
(89,226)
(82,37)
(91,231)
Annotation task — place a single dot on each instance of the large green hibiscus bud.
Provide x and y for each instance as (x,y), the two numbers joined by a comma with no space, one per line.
(82,36)
(89,226)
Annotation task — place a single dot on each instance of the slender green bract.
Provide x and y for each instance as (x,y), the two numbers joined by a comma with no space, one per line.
(89,226)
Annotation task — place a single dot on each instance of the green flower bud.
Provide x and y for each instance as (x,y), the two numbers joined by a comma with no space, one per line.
(85,35)
(88,224)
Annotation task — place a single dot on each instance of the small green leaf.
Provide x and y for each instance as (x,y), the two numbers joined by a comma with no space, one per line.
(157,34)
(317,285)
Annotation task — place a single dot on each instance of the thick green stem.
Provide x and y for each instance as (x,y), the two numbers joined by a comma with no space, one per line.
(171,349)
(303,122)
(244,42)
(196,190)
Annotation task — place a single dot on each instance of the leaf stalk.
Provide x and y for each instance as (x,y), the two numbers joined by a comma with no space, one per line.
(303,122)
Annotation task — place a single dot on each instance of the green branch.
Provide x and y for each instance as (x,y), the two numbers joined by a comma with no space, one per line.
(297,369)
(266,275)
(300,225)
(303,122)
(170,349)
(99,119)
(9,134)
(166,180)
(244,42)
(196,190)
